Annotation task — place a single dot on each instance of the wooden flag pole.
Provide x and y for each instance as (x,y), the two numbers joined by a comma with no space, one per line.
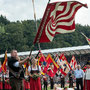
(31,50)
(36,27)
(35,21)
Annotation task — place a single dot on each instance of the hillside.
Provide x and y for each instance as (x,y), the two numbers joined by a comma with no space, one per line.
(20,35)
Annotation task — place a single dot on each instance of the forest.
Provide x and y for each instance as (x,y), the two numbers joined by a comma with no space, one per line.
(20,35)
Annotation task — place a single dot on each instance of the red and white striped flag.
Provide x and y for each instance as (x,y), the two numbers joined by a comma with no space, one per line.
(73,63)
(59,17)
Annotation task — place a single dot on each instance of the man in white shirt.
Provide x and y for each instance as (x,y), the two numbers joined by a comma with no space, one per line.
(78,73)
(16,73)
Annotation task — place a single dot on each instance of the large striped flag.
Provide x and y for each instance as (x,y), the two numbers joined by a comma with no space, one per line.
(59,18)
(88,39)
(4,68)
(73,63)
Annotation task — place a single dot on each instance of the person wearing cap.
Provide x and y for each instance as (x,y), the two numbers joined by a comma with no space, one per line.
(87,77)
(79,74)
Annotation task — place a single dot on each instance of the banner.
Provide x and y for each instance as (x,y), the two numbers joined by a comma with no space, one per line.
(59,18)
(53,67)
(73,63)
(4,68)
(65,67)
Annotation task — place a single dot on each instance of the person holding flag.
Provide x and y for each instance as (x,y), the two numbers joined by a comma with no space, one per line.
(16,72)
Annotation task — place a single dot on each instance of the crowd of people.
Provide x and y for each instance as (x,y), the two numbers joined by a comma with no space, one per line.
(16,77)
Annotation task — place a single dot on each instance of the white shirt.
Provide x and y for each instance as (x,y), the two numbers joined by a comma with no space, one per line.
(87,73)
(29,68)
(16,64)
(79,73)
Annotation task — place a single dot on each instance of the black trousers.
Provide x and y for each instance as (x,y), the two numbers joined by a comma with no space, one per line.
(79,81)
(62,82)
(45,85)
(70,82)
(52,83)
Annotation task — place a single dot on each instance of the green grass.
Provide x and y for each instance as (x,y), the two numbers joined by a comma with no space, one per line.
(47,89)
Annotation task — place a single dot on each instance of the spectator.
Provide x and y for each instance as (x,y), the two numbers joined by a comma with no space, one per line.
(79,77)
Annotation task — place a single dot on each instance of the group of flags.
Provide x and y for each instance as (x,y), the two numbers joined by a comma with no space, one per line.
(48,65)
(51,65)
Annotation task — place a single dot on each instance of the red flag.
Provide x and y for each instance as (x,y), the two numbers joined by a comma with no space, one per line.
(53,64)
(42,62)
(42,59)
(4,68)
(26,64)
(59,17)
(57,60)
(73,63)
(65,67)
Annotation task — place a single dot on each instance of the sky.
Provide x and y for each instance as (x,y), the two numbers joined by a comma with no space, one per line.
(23,10)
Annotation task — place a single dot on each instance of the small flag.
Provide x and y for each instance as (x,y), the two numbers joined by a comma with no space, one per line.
(53,66)
(73,63)
(65,67)
(88,39)
(4,68)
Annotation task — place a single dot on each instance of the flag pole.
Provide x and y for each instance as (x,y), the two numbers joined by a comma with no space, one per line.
(35,21)
(86,38)
(49,1)
(36,28)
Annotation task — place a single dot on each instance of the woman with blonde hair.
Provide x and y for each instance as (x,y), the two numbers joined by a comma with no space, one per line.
(34,73)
